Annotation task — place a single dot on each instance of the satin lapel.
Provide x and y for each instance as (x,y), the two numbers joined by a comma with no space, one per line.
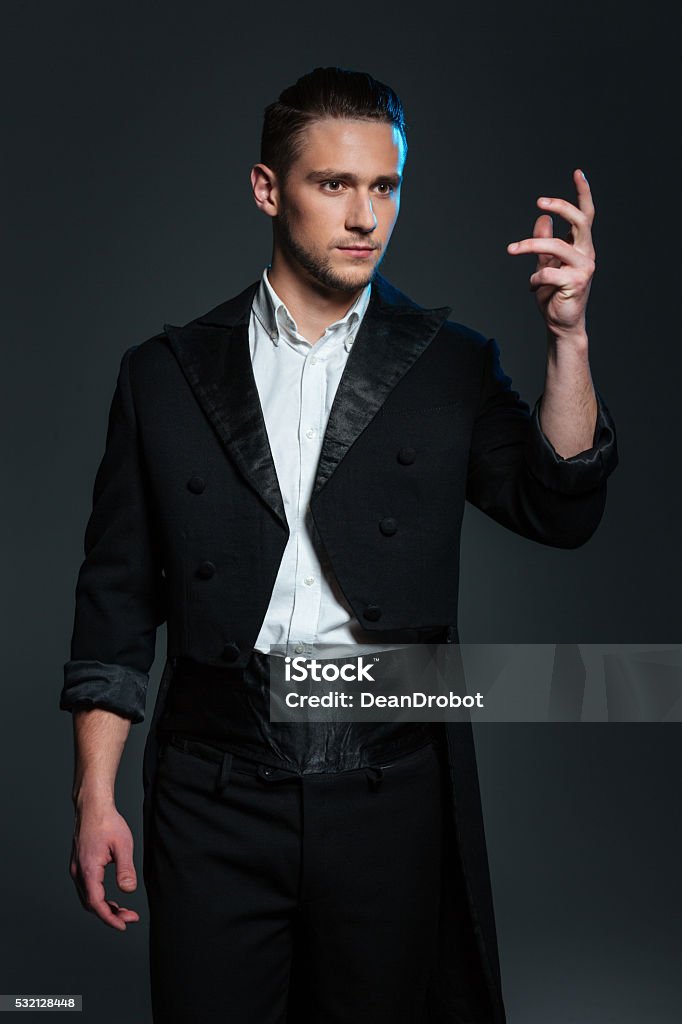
(213,352)
(215,359)
(391,337)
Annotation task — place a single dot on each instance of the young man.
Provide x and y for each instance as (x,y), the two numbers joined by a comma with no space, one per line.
(289,469)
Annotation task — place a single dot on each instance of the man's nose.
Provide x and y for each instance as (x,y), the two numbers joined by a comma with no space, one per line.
(361,215)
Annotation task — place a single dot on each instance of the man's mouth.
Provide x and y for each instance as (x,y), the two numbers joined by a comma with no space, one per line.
(357,250)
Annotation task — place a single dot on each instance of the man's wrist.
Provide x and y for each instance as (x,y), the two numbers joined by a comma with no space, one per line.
(576,339)
(93,791)
(568,358)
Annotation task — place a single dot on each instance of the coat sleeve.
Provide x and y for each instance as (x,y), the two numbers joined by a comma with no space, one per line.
(120,598)
(516,477)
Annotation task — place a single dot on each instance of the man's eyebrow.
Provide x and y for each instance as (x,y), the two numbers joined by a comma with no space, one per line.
(328,173)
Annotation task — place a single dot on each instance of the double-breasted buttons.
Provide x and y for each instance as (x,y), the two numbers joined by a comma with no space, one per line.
(388,526)
(230,651)
(196,484)
(205,570)
(406,456)
(372,612)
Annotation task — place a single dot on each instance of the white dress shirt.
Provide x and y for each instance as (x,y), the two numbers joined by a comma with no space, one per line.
(297,382)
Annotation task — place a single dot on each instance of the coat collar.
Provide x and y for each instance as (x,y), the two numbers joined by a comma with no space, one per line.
(213,353)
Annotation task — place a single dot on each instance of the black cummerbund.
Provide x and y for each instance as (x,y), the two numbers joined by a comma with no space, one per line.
(230,709)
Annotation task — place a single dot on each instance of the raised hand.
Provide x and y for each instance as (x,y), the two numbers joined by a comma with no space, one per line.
(564,269)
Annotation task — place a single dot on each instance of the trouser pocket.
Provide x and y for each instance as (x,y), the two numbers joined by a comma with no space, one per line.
(196,761)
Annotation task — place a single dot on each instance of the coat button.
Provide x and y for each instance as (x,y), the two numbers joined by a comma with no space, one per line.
(388,527)
(230,651)
(372,612)
(406,456)
(196,484)
(205,570)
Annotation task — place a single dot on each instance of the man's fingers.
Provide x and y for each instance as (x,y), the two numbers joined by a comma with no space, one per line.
(543,228)
(94,900)
(585,201)
(99,839)
(572,285)
(580,217)
(124,913)
(553,246)
(90,886)
(580,220)
(99,906)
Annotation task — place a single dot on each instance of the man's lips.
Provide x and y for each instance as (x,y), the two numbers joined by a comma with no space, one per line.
(357,250)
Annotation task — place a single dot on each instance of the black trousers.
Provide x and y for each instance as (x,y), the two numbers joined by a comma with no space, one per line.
(279,897)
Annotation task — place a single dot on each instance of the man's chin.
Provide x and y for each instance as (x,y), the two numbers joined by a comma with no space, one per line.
(350,280)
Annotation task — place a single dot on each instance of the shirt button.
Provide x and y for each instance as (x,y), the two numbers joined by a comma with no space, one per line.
(313,360)
(309,580)
(310,432)
(274,335)
(299,648)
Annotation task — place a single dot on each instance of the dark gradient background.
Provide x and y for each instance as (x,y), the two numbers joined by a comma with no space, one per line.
(128,137)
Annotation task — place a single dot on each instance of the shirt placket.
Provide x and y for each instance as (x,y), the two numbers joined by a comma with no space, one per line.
(308,587)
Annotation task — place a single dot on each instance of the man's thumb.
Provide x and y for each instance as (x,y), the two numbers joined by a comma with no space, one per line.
(126,878)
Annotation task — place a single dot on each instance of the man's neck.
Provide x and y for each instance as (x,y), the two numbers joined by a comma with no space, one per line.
(312,306)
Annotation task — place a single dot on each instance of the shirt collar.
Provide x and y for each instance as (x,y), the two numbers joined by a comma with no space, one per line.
(273,315)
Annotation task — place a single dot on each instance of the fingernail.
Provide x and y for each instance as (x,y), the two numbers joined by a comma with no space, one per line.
(512,246)
(584,176)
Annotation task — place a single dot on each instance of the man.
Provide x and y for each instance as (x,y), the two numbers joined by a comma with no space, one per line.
(287,469)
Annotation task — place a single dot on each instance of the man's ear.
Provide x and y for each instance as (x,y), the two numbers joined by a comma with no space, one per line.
(265,189)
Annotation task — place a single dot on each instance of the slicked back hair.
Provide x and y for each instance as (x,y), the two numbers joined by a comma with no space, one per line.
(324,92)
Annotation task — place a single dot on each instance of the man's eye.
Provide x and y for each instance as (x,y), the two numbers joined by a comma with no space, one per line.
(386,187)
(332,185)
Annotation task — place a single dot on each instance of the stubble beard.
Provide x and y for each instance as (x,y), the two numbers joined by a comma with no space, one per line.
(320,267)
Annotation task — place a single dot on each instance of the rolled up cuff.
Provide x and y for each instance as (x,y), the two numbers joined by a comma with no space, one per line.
(581,472)
(92,684)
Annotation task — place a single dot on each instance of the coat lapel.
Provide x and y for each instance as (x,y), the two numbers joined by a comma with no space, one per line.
(213,353)
(393,334)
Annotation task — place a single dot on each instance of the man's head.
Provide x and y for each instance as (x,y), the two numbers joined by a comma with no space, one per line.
(332,156)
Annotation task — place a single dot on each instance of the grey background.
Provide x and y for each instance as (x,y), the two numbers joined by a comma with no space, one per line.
(128,134)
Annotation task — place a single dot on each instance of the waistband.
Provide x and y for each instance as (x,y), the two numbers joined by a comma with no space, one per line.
(232,762)
(230,710)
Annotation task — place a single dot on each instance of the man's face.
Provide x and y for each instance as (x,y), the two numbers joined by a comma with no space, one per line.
(340,200)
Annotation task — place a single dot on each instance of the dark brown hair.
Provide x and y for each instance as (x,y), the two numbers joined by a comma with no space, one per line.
(324,92)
